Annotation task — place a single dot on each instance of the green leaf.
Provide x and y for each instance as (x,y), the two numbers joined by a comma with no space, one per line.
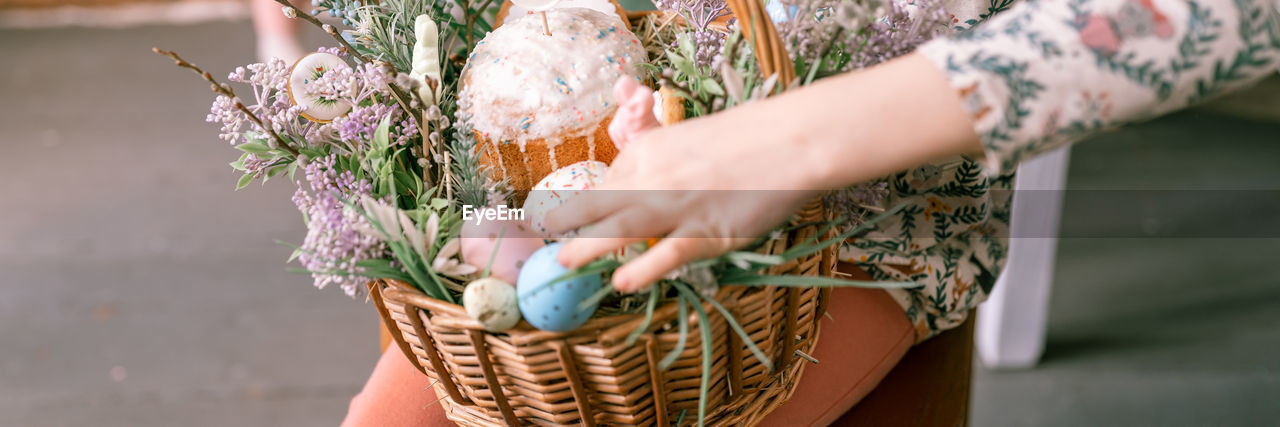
(712,87)
(681,340)
(497,244)
(648,314)
(742,333)
(813,71)
(297,250)
(239,164)
(313,152)
(754,257)
(244,181)
(594,268)
(382,136)
(704,326)
(595,298)
(684,66)
(687,47)
(791,280)
(799,251)
(274,172)
(254,147)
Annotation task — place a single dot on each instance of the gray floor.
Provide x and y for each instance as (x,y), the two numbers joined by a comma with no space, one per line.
(138,289)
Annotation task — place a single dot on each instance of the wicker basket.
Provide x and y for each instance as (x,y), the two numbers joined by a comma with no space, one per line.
(590,376)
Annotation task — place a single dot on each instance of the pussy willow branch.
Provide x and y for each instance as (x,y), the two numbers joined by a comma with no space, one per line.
(333,32)
(471,19)
(328,29)
(225,90)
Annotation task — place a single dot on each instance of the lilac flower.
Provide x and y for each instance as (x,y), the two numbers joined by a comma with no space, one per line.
(269,82)
(907,25)
(805,28)
(353,85)
(709,43)
(273,74)
(870,31)
(699,14)
(359,125)
(256,165)
(334,242)
(224,111)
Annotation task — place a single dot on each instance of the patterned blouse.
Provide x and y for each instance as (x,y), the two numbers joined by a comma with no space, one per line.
(1036,76)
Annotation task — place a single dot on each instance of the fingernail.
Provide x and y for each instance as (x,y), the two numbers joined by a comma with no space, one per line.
(565,258)
(621,284)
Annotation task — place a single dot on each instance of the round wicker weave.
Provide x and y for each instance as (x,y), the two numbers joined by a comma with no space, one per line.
(590,376)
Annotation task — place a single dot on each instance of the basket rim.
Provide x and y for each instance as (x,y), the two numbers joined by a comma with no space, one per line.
(609,330)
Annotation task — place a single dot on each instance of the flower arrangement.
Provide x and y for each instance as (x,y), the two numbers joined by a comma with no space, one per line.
(385,161)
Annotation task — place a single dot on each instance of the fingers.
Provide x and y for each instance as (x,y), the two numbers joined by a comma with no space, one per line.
(585,208)
(668,255)
(611,234)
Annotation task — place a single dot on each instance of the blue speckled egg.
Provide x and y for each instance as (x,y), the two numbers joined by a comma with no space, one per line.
(553,307)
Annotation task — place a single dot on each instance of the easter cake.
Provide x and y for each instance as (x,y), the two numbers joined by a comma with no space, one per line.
(539,102)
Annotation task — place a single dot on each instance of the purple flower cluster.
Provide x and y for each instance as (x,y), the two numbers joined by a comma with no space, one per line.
(331,50)
(871,31)
(334,242)
(269,82)
(365,87)
(807,29)
(358,126)
(699,14)
(353,85)
(709,43)
(907,25)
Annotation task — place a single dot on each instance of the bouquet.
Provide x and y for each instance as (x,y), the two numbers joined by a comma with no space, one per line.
(381,137)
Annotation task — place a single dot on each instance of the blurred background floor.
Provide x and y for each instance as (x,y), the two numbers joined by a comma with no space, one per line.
(138,289)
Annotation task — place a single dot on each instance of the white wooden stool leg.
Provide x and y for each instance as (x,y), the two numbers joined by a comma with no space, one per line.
(1011,324)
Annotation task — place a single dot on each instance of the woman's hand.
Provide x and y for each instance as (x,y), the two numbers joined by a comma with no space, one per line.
(712,184)
(705,186)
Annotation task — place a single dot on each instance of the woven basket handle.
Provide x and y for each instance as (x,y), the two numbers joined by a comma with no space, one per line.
(758,28)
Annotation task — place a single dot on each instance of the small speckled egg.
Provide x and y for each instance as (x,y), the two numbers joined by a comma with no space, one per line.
(517,244)
(317,107)
(560,186)
(492,302)
(554,307)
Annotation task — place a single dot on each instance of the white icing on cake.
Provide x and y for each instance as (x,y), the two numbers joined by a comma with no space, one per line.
(521,84)
(603,6)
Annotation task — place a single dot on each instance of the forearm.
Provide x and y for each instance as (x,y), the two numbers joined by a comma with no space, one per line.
(872,123)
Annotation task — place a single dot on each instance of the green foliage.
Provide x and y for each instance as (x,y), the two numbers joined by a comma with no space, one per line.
(471,180)
(279,162)
(386,30)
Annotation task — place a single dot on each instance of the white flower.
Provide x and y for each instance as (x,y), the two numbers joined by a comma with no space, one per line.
(386,216)
(446,264)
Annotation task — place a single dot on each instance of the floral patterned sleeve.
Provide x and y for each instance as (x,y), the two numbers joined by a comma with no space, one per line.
(1046,73)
